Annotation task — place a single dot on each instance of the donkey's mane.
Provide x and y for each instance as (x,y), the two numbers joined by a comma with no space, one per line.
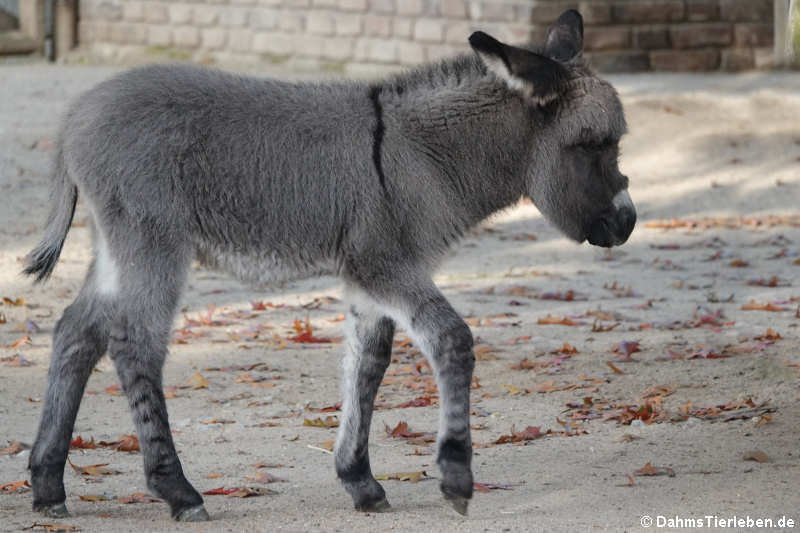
(465,67)
(448,72)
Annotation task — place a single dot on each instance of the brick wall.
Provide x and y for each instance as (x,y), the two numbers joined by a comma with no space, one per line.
(360,35)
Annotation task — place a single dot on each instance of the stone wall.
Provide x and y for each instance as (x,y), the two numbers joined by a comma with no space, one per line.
(361,35)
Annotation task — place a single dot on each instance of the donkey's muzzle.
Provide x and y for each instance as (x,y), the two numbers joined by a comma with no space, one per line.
(613,228)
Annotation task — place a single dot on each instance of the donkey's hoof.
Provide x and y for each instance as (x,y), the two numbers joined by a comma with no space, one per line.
(379,506)
(459,503)
(53,510)
(193,514)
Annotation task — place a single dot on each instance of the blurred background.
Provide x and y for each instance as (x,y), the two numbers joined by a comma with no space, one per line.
(357,36)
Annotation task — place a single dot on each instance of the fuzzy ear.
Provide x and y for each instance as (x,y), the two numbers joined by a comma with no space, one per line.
(565,37)
(523,70)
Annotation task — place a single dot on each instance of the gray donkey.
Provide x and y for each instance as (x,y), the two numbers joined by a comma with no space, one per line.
(270,180)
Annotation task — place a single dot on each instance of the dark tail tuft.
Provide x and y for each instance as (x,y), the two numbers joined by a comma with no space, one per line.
(42,260)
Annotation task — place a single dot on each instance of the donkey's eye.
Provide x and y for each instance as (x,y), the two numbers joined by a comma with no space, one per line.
(597,146)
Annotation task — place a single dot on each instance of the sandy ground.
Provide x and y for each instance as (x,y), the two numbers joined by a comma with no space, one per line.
(709,146)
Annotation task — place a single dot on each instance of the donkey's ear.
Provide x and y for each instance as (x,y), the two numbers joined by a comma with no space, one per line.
(533,74)
(565,37)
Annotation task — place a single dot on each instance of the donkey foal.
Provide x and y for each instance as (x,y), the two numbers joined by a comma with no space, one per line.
(271,180)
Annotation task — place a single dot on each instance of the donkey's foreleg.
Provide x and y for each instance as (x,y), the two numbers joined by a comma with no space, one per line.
(367,355)
(79,340)
(436,328)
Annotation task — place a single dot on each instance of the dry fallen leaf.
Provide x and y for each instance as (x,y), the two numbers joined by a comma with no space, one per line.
(126,443)
(327,422)
(421,401)
(650,470)
(113,390)
(558,321)
(79,443)
(305,333)
(93,498)
(413,477)
(487,487)
(18,302)
(599,327)
(484,352)
(265,478)
(14,486)
(197,382)
(756,455)
(327,445)
(769,335)
(658,391)
(401,431)
(137,497)
(17,360)
(19,342)
(755,306)
(625,349)
(53,528)
(256,381)
(529,433)
(240,492)
(13,448)
(93,470)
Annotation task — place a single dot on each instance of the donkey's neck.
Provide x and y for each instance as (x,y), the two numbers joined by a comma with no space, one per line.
(466,126)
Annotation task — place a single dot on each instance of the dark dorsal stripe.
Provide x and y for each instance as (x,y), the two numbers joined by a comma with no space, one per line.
(377,134)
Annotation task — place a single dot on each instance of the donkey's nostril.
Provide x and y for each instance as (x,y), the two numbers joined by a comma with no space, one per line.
(614,229)
(626,218)
(599,233)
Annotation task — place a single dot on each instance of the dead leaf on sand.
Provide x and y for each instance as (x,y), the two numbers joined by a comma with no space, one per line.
(240,492)
(14,486)
(197,382)
(327,422)
(137,497)
(53,528)
(413,477)
(757,456)
(93,470)
(650,470)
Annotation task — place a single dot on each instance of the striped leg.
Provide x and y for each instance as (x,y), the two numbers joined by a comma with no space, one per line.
(368,352)
(436,329)
(138,346)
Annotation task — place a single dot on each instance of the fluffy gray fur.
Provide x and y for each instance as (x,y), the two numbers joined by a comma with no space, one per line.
(270,180)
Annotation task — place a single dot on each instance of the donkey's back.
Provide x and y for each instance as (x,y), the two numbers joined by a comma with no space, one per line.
(259,175)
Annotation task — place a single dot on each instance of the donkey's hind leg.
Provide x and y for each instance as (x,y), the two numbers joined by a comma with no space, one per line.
(153,276)
(368,351)
(79,340)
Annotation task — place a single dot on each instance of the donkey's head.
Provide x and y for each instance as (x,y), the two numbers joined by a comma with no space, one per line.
(577,121)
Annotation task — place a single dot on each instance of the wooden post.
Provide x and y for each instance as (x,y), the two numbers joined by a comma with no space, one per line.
(65,26)
(787,33)
(794,32)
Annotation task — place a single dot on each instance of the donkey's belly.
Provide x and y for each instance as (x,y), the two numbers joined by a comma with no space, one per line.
(264,267)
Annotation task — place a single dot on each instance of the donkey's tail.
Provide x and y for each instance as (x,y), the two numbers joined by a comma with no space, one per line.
(63,197)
